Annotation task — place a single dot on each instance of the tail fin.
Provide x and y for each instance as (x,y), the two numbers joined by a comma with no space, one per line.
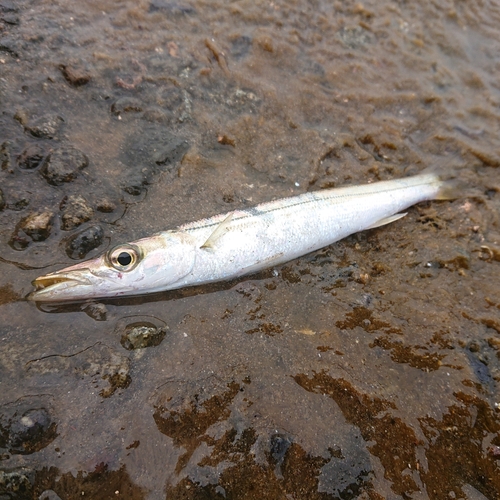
(449,188)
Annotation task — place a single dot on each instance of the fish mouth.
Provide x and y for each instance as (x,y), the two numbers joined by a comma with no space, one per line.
(58,285)
(49,280)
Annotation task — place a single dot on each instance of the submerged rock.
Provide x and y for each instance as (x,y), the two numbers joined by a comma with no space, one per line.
(80,244)
(44,127)
(31,157)
(76,75)
(63,165)
(141,335)
(38,225)
(76,211)
(16,484)
(28,431)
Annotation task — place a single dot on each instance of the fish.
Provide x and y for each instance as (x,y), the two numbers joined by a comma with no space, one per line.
(240,242)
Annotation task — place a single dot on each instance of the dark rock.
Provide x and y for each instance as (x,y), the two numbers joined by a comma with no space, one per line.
(25,432)
(171,152)
(2,200)
(16,485)
(80,244)
(38,225)
(126,105)
(155,147)
(31,157)
(76,211)
(75,75)
(63,165)
(142,334)
(44,127)
(278,447)
(136,182)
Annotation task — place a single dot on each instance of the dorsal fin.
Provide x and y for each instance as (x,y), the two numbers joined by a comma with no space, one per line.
(386,220)
(219,231)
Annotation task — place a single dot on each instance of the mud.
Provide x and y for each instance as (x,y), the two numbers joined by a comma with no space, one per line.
(369,369)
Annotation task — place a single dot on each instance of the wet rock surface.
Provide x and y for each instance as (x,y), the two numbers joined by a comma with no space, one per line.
(63,165)
(368,369)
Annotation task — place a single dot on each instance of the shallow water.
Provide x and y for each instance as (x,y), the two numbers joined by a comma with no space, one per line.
(369,369)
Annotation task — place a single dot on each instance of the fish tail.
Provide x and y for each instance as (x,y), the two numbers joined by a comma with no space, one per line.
(448,188)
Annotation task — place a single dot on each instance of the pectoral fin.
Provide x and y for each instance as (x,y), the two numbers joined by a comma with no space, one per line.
(219,231)
(386,220)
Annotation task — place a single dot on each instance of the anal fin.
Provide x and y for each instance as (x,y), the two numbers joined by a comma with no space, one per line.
(219,231)
(386,220)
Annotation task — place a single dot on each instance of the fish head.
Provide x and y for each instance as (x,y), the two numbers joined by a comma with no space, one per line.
(147,265)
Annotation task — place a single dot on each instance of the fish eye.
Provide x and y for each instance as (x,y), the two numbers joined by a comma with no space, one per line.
(124,257)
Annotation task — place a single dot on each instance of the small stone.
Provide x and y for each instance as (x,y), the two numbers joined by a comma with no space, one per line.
(28,432)
(106,206)
(126,105)
(96,311)
(75,75)
(76,211)
(38,225)
(63,165)
(80,244)
(141,335)
(45,127)
(31,157)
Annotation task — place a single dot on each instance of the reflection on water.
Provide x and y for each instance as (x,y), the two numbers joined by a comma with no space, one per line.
(369,369)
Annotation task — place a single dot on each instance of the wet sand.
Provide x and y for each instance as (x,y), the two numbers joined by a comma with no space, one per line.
(369,369)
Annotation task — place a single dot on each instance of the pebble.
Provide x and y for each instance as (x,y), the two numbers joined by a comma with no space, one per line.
(76,75)
(28,432)
(141,335)
(63,165)
(44,127)
(31,157)
(76,211)
(38,225)
(105,206)
(80,244)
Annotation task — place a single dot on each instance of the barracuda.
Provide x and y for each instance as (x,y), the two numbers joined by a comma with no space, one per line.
(230,245)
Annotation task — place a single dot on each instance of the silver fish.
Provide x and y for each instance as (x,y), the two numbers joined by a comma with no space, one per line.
(240,242)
